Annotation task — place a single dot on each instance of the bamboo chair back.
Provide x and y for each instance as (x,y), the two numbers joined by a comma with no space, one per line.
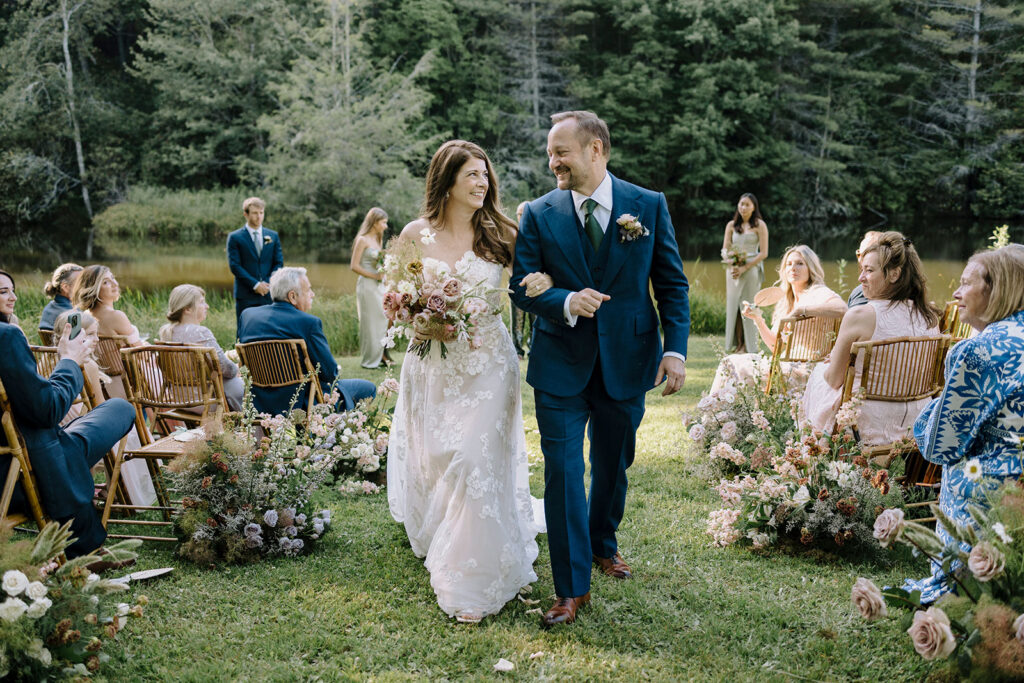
(47,337)
(177,382)
(108,354)
(897,370)
(803,339)
(20,469)
(47,358)
(274,363)
(951,324)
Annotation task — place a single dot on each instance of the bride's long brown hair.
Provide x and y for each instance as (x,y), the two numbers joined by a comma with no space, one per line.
(493,231)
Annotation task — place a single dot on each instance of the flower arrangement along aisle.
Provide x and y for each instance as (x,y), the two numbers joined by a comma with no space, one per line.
(56,621)
(739,427)
(356,440)
(818,490)
(243,498)
(428,301)
(980,628)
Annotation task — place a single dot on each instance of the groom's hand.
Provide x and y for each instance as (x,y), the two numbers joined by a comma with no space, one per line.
(674,370)
(586,302)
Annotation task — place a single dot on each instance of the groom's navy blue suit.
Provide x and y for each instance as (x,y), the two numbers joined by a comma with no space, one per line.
(600,369)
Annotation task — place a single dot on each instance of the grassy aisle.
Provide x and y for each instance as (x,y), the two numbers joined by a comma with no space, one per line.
(361,607)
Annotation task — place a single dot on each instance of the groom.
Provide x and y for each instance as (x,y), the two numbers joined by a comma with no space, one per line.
(596,348)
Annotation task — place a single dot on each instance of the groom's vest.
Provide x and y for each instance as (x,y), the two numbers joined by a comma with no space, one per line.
(599,259)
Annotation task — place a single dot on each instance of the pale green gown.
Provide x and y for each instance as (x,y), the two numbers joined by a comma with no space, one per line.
(739,290)
(370,308)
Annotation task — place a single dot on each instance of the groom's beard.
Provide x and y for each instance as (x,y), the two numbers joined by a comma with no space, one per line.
(570,181)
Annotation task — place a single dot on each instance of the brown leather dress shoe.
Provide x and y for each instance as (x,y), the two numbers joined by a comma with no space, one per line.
(100,566)
(614,566)
(564,611)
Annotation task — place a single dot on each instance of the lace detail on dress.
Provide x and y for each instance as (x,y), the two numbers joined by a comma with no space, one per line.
(457,469)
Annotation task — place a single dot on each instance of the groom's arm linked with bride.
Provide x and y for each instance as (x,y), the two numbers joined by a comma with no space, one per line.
(596,351)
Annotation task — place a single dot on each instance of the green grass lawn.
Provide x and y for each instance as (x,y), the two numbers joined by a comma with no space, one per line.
(361,606)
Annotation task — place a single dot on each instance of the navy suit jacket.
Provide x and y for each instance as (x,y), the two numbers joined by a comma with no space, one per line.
(38,405)
(250,269)
(624,332)
(281,320)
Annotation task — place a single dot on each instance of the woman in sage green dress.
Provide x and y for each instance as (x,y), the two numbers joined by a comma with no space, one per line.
(366,251)
(745,234)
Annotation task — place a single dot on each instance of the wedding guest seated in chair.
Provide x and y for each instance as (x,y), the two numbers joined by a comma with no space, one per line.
(288,317)
(186,311)
(974,428)
(893,281)
(61,457)
(58,288)
(802,280)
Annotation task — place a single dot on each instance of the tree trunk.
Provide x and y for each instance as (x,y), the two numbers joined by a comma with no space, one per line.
(69,78)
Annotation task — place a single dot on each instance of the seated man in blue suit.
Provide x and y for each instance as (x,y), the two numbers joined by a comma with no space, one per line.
(61,457)
(254,253)
(289,318)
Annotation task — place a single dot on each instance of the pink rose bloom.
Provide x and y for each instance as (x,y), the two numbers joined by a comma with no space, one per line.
(986,562)
(436,302)
(888,526)
(405,299)
(475,306)
(403,315)
(380,444)
(933,638)
(729,431)
(868,599)
(452,288)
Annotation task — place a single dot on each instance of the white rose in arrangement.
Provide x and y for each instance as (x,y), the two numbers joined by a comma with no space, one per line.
(37,651)
(1000,531)
(801,496)
(15,582)
(123,608)
(38,608)
(933,638)
(12,609)
(36,590)
(697,433)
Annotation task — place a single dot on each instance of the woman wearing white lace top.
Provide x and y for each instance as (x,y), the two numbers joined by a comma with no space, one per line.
(457,470)
(186,311)
(893,281)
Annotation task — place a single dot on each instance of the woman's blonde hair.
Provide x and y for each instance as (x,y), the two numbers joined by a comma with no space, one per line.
(87,288)
(64,272)
(815,276)
(1004,276)
(58,324)
(373,216)
(181,299)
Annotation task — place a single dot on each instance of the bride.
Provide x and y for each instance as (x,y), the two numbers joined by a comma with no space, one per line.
(457,470)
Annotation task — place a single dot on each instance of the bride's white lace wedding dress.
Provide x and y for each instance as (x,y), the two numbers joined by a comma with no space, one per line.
(457,469)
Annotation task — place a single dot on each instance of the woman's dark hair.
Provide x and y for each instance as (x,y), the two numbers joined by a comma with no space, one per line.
(896,251)
(493,231)
(755,218)
(4,318)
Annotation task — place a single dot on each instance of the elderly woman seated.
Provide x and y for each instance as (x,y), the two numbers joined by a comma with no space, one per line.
(974,428)
(894,283)
(802,280)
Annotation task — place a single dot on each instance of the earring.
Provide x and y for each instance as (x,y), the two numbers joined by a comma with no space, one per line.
(446,195)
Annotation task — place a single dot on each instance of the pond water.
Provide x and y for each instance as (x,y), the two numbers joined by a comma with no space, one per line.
(151,267)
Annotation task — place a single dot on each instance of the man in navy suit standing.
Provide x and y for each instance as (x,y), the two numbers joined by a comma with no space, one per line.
(288,317)
(62,456)
(596,348)
(254,253)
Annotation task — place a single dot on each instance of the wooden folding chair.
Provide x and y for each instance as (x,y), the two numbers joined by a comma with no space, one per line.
(108,357)
(20,470)
(900,370)
(47,337)
(802,339)
(277,363)
(168,380)
(951,324)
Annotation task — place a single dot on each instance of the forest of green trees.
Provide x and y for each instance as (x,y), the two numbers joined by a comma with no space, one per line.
(828,110)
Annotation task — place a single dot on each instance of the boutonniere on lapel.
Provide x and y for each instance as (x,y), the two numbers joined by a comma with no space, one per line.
(266,240)
(630,228)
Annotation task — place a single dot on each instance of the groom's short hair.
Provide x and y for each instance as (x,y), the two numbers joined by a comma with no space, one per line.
(588,127)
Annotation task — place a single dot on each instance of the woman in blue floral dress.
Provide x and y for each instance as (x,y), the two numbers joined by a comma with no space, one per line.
(974,429)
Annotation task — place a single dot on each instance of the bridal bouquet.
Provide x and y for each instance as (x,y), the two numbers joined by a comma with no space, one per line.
(733,257)
(426,301)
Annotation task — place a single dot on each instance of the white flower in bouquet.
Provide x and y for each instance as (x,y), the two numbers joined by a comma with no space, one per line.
(38,608)
(759,539)
(759,420)
(931,633)
(697,433)
(1000,531)
(12,609)
(39,652)
(15,582)
(802,496)
(721,526)
(728,432)
(973,470)
(428,236)
(706,403)
(36,590)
